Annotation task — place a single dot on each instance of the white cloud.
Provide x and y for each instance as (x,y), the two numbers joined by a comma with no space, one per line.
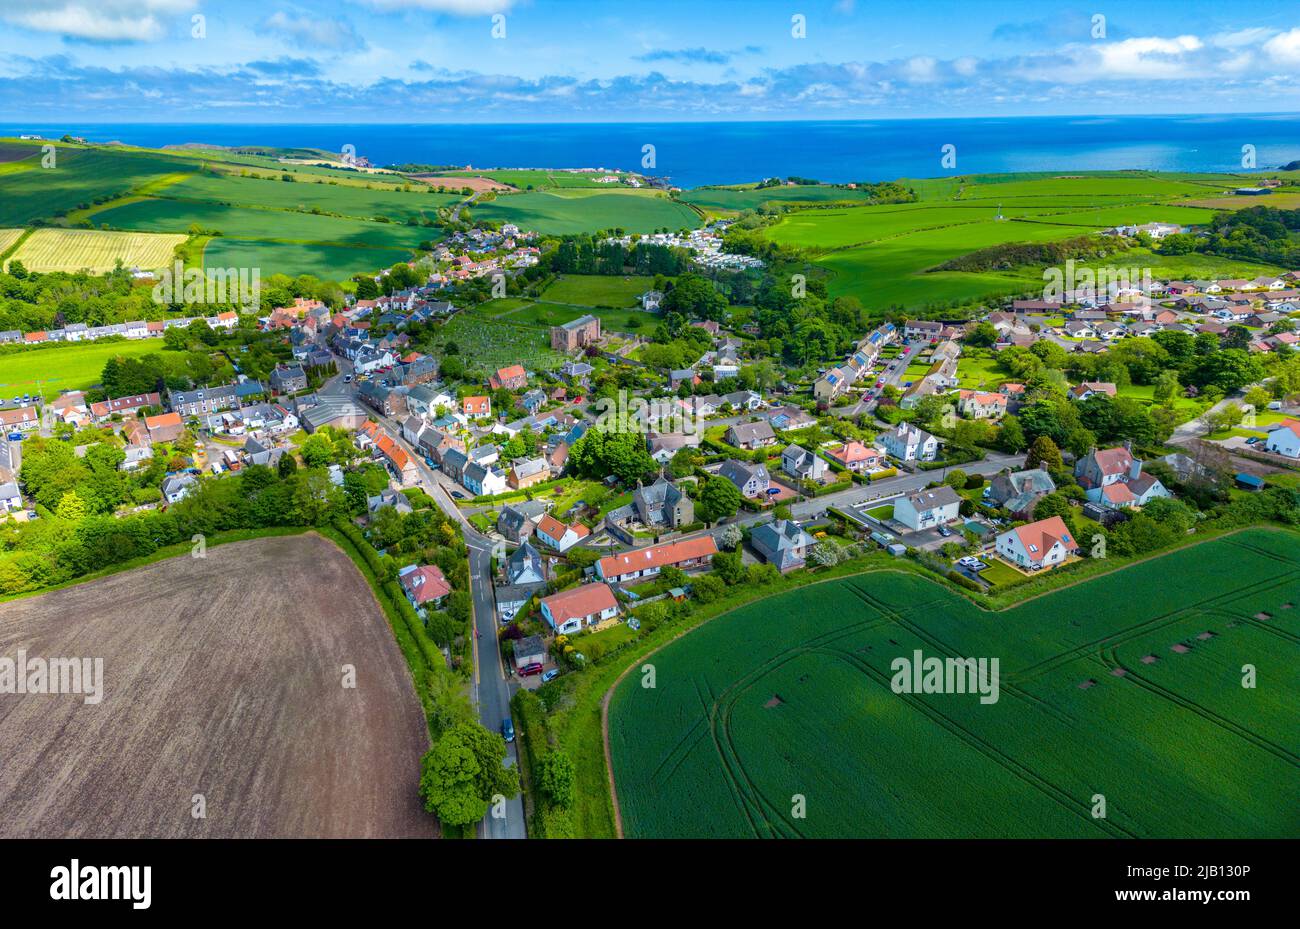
(920,69)
(319,32)
(102,20)
(1242,37)
(1284,48)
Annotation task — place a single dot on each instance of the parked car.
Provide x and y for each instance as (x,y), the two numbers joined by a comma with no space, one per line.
(945,531)
(550,675)
(458,495)
(529,670)
(508,729)
(347,379)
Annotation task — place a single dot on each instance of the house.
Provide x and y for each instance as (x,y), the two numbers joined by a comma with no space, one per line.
(1018,491)
(559,536)
(751,480)
(518,520)
(789,418)
(1078,329)
(511,598)
(927,329)
(830,385)
(204,400)
(533,400)
(11,498)
(382,398)
(684,554)
(1106,466)
(178,487)
(530,653)
(750,436)
(781,543)
(1121,495)
(662,504)
(476,406)
(524,566)
(928,508)
(978,404)
(1284,439)
(165,427)
(123,406)
(651,299)
(483,480)
(748,400)
(572,610)
(22,419)
(288,379)
(387,497)
(527,473)
(513,377)
(1037,545)
(906,442)
(857,457)
(576,334)
(1089,388)
(424,586)
(802,464)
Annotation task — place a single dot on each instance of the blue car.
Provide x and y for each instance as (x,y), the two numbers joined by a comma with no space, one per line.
(508,729)
(550,675)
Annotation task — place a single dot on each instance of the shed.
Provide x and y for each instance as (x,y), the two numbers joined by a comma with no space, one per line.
(1249,481)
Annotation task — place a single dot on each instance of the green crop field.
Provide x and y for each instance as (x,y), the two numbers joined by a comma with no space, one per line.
(598,290)
(328,262)
(29,191)
(881,254)
(1128,686)
(347,200)
(551,212)
(73,366)
(555,314)
(749,198)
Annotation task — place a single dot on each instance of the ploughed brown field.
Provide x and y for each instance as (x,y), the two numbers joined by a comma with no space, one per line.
(222,677)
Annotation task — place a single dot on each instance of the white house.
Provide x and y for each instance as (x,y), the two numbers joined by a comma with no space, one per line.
(1036,545)
(559,536)
(908,443)
(1284,438)
(10,497)
(928,508)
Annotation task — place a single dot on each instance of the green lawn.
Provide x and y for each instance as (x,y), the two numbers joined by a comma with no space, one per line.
(73,366)
(884,512)
(597,290)
(999,572)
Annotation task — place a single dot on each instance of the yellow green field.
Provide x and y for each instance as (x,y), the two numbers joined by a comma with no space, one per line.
(8,237)
(94,250)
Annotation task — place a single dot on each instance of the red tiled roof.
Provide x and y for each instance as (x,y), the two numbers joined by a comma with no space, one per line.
(657,556)
(1039,537)
(426,583)
(580,602)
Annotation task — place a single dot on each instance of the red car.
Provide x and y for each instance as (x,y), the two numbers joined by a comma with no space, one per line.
(529,670)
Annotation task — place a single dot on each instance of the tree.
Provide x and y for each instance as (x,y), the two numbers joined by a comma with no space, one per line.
(729,566)
(71,507)
(1044,454)
(463,771)
(287,465)
(317,450)
(719,499)
(730,537)
(555,778)
(1011,436)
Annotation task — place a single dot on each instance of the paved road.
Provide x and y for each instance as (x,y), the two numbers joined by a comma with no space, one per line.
(491,688)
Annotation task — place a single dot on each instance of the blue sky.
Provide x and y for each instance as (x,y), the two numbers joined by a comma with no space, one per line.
(582,61)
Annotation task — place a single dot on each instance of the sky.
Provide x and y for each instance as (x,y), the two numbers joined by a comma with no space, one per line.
(492,61)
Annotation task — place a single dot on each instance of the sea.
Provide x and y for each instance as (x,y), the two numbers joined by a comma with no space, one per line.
(694,154)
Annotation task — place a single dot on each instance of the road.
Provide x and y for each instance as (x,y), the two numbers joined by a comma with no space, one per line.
(491,688)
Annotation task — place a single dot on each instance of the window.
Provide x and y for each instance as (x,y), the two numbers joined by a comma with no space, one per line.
(1033,548)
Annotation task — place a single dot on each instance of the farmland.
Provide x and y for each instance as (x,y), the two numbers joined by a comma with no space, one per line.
(68,366)
(95,251)
(749,198)
(1141,702)
(345,199)
(579,211)
(192,682)
(8,237)
(884,254)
